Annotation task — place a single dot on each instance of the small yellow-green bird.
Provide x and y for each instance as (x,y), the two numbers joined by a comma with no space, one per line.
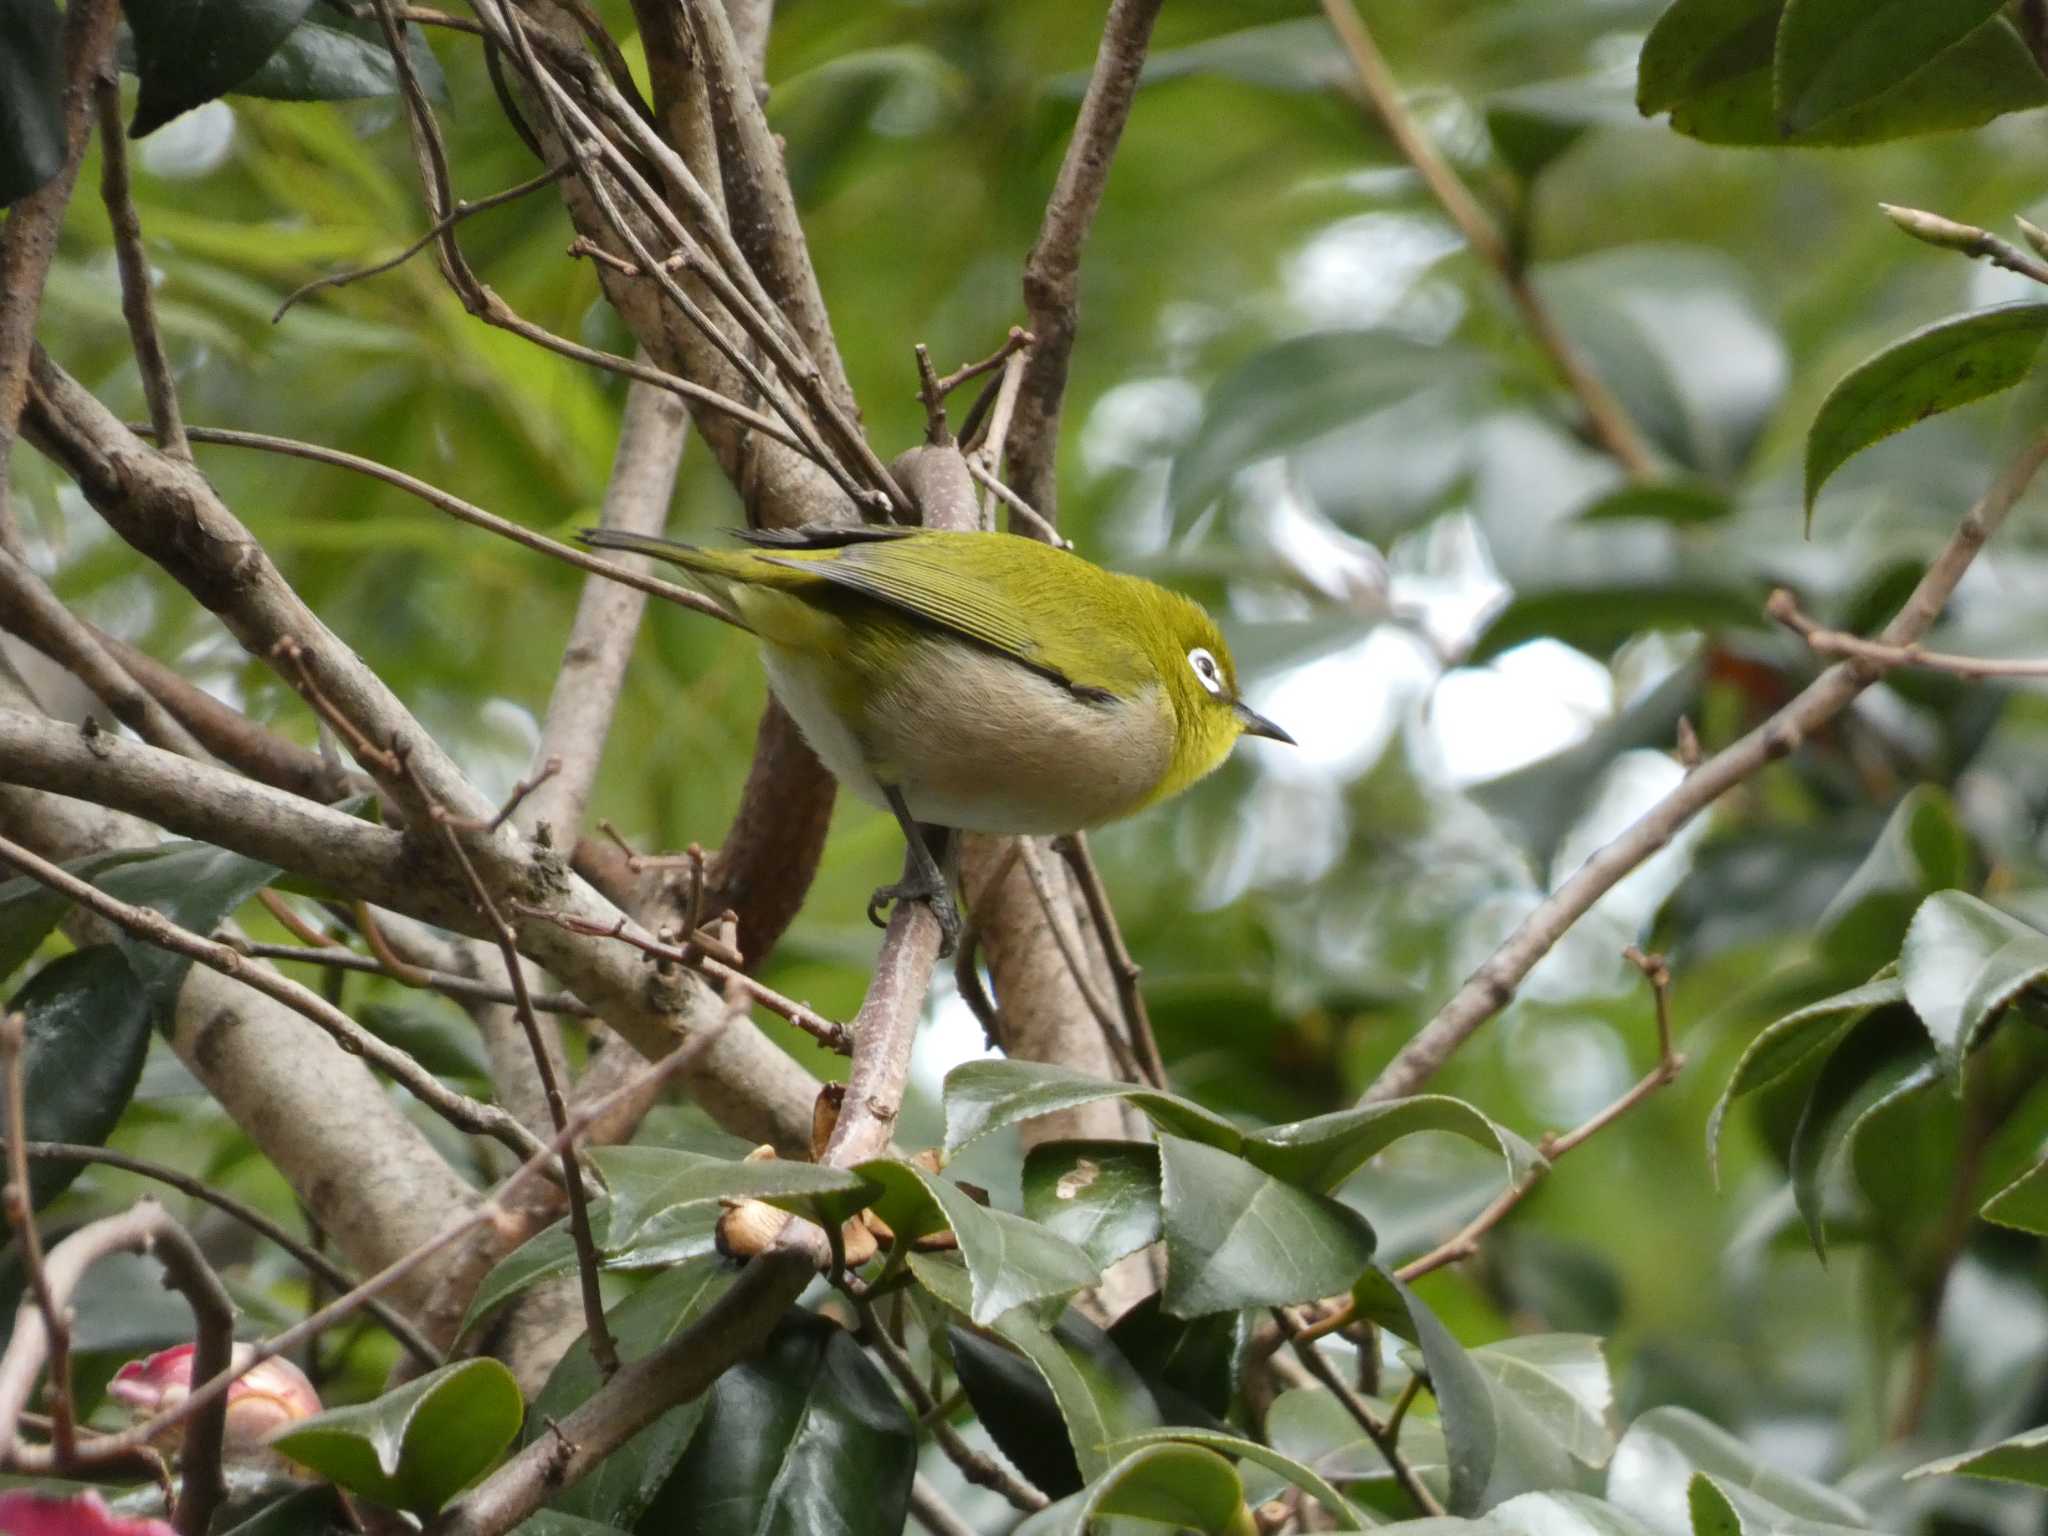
(978,681)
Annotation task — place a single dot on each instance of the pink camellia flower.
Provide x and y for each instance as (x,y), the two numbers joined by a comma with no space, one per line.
(82,1514)
(263,1400)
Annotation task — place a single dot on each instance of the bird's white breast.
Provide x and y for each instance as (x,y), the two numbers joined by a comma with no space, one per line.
(977,742)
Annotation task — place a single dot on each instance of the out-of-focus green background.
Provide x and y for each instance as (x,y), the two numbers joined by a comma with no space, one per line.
(1298,397)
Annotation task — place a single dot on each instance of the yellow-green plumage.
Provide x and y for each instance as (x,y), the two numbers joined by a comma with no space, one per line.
(986,682)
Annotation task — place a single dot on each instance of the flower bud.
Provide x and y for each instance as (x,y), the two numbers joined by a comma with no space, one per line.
(265,1399)
(23,1513)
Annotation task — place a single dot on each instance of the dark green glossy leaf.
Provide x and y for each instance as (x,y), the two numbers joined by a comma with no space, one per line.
(1294,1472)
(1298,390)
(1010,1260)
(1681,503)
(646,1181)
(2023,1458)
(1939,367)
(1785,1044)
(309,1512)
(1964,961)
(1836,54)
(1014,1404)
(1182,1487)
(1189,1363)
(337,58)
(806,1436)
(1923,848)
(1665,1446)
(1699,44)
(31,100)
(1879,1059)
(1101,1196)
(622,1486)
(1238,1237)
(1323,1152)
(415,1448)
(187,52)
(2023,1203)
(985,1096)
(87,1033)
(196,886)
(1100,1397)
(674,1236)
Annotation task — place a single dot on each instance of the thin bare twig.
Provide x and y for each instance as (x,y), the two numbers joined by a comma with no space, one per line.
(21,1216)
(148,924)
(318,1263)
(1492,986)
(1384,1440)
(1130,995)
(138,297)
(1608,419)
(1058,913)
(1020,509)
(1834,642)
(448,983)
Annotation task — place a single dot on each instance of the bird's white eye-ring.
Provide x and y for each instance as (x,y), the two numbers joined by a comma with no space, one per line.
(1206,670)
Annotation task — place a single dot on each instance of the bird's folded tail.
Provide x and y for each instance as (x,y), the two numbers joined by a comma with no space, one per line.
(686,555)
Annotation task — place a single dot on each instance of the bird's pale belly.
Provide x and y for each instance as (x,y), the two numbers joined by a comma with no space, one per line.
(974,741)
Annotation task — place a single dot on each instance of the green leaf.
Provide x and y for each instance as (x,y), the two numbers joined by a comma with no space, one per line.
(1836,54)
(187,52)
(1698,44)
(1562,1379)
(1101,1196)
(1680,503)
(1009,1260)
(87,1034)
(1296,391)
(1014,1404)
(673,1236)
(1189,1363)
(339,58)
(415,1448)
(1315,1430)
(2023,1203)
(1939,367)
(1100,1397)
(1963,963)
(1782,1046)
(1323,1152)
(1238,1237)
(1923,848)
(1532,125)
(984,1096)
(308,1512)
(620,1488)
(196,886)
(647,1181)
(1665,1446)
(1881,1059)
(31,99)
(1294,1472)
(29,909)
(2023,1458)
(1180,1486)
(1719,1507)
(806,1436)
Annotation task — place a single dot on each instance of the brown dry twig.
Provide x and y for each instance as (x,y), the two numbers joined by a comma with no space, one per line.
(1784,607)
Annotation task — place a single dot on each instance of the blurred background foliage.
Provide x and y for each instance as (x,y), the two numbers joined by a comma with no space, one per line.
(1297,396)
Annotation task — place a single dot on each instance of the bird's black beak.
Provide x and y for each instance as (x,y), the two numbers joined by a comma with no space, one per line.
(1256,724)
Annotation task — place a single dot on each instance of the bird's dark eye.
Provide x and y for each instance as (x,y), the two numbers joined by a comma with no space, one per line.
(1206,671)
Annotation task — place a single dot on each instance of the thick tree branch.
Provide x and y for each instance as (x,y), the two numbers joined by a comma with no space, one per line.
(1493,985)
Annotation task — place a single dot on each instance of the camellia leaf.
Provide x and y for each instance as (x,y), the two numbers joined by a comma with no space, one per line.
(2023,1203)
(1322,1152)
(1936,369)
(1680,503)
(984,1096)
(1923,848)
(1532,125)
(1101,1196)
(1877,1062)
(1009,1260)
(1297,390)
(1015,1405)
(1697,44)
(646,1181)
(1316,1430)
(620,1488)
(30,910)
(196,886)
(1964,961)
(672,1236)
(1562,1379)
(1189,1363)
(337,58)
(415,1448)
(1265,1456)
(1836,54)
(2021,1459)
(1720,1507)
(1181,1487)
(187,52)
(1238,1237)
(1656,1458)
(87,1032)
(806,1435)
(1100,1396)
(1784,1045)
(31,98)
